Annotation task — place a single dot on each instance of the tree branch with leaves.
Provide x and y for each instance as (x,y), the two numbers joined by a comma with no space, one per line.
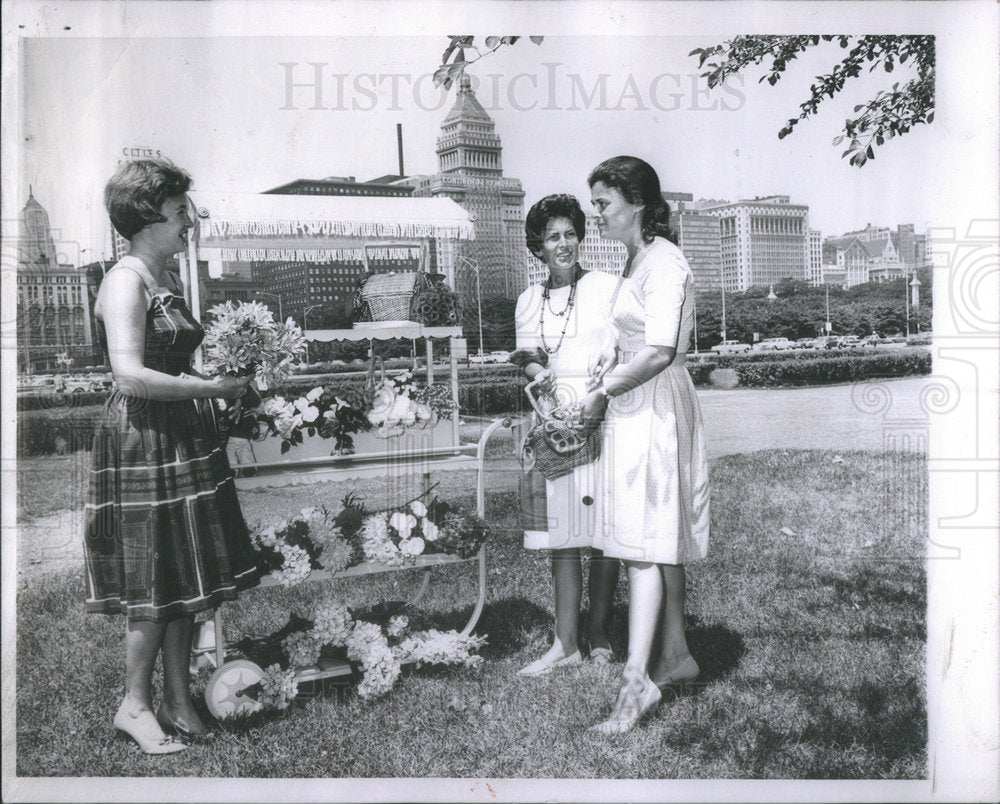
(891,113)
(454,61)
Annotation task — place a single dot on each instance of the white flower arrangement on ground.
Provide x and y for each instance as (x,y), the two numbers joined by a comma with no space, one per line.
(245,339)
(377,652)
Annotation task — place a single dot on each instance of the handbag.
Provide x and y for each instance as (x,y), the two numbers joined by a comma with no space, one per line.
(555,446)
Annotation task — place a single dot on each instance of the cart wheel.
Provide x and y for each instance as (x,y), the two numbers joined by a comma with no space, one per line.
(224,692)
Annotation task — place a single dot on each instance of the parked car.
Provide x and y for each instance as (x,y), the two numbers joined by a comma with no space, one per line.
(804,343)
(490,357)
(774,345)
(826,342)
(851,342)
(731,347)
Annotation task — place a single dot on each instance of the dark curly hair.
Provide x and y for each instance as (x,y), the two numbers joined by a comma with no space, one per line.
(559,205)
(638,183)
(134,195)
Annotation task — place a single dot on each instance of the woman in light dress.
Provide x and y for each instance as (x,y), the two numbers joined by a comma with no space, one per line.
(654,508)
(559,325)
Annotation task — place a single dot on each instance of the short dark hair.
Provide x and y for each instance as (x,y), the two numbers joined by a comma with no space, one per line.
(638,183)
(559,205)
(134,195)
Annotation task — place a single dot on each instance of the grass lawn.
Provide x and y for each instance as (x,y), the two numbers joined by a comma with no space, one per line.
(811,641)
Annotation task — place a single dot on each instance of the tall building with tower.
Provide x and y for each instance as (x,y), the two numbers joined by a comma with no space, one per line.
(53,305)
(470,172)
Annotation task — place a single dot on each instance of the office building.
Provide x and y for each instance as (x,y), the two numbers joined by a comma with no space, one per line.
(764,240)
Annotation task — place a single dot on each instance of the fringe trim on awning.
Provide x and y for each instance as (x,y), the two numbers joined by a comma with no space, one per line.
(319,255)
(345,228)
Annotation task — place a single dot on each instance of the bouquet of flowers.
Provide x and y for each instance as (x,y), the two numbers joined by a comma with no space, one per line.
(245,339)
(317,539)
(321,411)
(377,649)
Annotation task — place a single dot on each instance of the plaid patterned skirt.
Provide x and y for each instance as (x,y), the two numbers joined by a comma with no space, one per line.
(164,535)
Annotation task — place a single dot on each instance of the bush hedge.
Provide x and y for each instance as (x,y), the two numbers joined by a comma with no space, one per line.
(495,389)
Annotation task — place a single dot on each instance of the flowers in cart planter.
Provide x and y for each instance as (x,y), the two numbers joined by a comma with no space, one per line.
(399,402)
(377,651)
(320,412)
(245,339)
(292,548)
(317,539)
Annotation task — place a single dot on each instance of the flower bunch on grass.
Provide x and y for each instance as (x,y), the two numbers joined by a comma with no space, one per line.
(377,651)
(244,339)
(317,538)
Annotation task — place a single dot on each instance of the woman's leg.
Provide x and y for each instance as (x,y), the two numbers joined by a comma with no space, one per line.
(637,693)
(567,580)
(674,650)
(135,715)
(143,640)
(602,583)
(178,708)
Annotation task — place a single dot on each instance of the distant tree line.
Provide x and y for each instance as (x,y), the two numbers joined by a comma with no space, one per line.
(800,311)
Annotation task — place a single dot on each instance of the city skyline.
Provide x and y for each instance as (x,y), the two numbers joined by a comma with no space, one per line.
(253,126)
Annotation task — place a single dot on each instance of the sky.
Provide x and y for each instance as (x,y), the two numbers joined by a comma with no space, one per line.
(247,113)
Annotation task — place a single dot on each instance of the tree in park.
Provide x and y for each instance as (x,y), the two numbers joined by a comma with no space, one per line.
(890,113)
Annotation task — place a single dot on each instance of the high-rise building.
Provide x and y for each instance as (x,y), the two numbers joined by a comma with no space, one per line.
(699,237)
(814,271)
(470,171)
(764,240)
(53,305)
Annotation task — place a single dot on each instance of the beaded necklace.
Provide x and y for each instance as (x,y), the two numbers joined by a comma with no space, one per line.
(546,302)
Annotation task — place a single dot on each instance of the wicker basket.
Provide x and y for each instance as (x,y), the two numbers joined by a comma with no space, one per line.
(555,446)
(388,296)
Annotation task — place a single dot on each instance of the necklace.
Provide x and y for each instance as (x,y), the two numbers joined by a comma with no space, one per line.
(546,302)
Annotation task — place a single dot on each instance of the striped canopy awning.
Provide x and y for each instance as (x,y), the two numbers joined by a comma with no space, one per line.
(259,223)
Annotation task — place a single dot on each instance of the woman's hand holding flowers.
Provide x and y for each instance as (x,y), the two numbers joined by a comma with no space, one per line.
(226,386)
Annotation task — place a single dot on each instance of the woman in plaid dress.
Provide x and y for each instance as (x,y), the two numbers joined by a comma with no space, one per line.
(165,537)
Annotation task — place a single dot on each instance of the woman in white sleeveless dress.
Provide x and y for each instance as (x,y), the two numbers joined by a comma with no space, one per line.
(559,325)
(654,509)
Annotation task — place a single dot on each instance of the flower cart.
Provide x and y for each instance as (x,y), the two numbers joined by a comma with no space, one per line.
(317,230)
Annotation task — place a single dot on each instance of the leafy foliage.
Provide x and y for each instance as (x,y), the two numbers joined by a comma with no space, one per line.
(800,311)
(454,60)
(890,113)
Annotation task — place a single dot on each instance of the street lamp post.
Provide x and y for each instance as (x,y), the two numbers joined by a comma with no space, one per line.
(277,296)
(829,326)
(695,301)
(915,298)
(479,299)
(722,287)
(305,325)
(906,301)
